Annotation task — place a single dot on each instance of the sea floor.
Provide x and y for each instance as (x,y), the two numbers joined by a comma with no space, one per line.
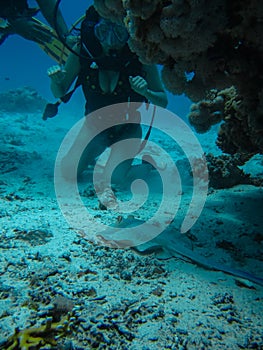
(123,300)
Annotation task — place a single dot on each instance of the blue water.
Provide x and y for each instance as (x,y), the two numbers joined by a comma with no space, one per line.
(22,61)
(150,303)
(24,64)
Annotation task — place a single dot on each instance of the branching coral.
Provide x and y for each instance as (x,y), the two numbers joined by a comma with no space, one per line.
(221,42)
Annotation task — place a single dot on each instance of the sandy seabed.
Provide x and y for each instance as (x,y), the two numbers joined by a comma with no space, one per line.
(124,300)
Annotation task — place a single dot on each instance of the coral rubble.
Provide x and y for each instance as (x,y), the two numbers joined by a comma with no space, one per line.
(19,100)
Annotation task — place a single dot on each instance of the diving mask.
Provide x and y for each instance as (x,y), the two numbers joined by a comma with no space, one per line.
(111,34)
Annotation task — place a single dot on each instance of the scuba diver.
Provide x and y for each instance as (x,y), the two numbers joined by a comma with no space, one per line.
(17,18)
(109,73)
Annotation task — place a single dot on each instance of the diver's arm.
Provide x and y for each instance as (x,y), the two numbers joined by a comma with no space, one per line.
(151,87)
(158,98)
(155,92)
(62,78)
(47,7)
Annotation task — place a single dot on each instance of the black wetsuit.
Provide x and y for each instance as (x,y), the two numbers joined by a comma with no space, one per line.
(127,64)
(93,59)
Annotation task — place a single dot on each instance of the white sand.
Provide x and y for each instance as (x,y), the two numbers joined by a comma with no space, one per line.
(149,303)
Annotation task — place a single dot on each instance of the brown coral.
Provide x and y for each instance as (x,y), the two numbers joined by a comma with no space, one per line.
(110,9)
(224,171)
(141,8)
(221,42)
(237,133)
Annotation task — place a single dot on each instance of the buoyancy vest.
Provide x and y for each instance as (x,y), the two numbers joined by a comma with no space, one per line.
(92,60)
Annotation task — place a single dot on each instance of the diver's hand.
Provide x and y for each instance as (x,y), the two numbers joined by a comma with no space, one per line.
(31,30)
(139,85)
(72,40)
(56,73)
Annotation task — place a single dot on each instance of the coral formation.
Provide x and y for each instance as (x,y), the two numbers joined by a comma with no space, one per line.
(110,9)
(24,99)
(224,171)
(207,112)
(219,42)
(34,338)
(239,132)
